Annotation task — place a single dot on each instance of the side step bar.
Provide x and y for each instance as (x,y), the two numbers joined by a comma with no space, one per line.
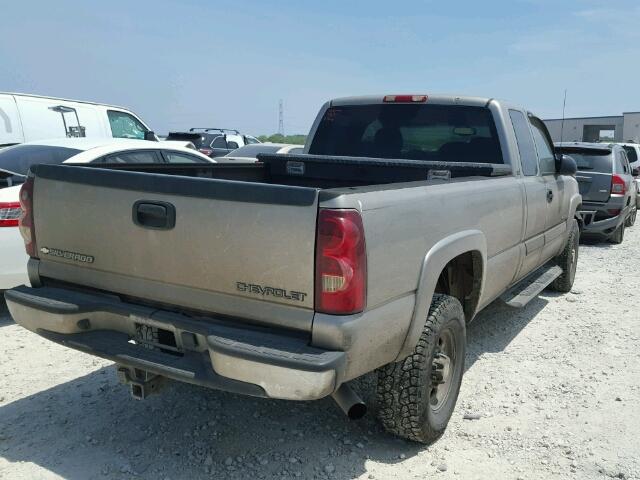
(531,285)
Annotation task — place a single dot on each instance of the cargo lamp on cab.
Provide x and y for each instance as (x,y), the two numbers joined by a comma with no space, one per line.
(405,98)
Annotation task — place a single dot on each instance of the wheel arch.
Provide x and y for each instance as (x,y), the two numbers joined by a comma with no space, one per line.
(458,253)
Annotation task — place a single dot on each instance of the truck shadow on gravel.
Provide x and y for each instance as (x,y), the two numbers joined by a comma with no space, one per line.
(5,318)
(91,428)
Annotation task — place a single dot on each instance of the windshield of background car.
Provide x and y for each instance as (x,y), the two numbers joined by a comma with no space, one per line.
(19,158)
(447,133)
(631,154)
(591,160)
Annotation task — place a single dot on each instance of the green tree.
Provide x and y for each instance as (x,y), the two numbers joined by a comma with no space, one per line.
(278,138)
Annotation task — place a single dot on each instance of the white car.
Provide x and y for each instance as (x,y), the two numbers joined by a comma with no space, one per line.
(14,166)
(248,153)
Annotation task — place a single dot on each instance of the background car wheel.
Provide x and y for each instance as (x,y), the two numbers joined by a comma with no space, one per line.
(618,235)
(568,261)
(417,396)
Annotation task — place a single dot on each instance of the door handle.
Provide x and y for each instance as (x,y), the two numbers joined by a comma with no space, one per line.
(549,196)
(154,215)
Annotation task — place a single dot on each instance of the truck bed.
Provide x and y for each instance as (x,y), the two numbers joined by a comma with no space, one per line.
(322,171)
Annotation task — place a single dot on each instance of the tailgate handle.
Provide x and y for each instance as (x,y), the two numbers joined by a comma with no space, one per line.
(154,215)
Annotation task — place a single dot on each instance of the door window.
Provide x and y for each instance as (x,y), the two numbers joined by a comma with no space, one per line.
(144,156)
(125,125)
(623,164)
(232,145)
(546,158)
(179,157)
(219,142)
(526,148)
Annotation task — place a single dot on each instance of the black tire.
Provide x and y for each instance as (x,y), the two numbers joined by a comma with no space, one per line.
(631,219)
(410,404)
(618,235)
(568,261)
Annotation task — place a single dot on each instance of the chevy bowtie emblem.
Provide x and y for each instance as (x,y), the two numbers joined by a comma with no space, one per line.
(74,256)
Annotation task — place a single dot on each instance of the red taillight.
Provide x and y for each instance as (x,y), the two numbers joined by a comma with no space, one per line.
(205,151)
(9,214)
(618,185)
(405,98)
(341,262)
(26,225)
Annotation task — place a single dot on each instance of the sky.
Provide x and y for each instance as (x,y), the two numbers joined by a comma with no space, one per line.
(227,64)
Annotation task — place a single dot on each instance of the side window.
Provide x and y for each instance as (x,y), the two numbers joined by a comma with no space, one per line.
(124,125)
(144,156)
(621,159)
(526,148)
(248,139)
(546,158)
(232,145)
(219,142)
(179,157)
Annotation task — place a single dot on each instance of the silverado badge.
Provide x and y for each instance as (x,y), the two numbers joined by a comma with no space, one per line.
(77,257)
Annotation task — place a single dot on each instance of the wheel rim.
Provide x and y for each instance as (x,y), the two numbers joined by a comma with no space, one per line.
(442,369)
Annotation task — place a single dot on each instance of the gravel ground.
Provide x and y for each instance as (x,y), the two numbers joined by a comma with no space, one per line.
(556,387)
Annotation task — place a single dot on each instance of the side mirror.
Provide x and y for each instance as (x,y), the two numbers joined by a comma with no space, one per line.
(566,165)
(151,136)
(635,172)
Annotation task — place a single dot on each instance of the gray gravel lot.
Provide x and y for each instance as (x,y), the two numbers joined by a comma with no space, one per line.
(556,387)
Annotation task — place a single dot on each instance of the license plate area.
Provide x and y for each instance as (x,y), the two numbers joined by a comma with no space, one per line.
(156,338)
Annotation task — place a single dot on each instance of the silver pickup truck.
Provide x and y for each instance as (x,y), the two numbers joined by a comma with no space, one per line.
(403,218)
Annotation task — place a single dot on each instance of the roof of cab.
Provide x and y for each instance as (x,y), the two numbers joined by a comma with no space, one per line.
(438,99)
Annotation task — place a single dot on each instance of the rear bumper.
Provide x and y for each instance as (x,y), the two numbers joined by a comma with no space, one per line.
(605,227)
(208,351)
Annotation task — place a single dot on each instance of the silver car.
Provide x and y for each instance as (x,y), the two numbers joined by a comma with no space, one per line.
(607,188)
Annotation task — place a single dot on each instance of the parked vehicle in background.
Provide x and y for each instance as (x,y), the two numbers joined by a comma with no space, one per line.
(313,269)
(251,152)
(15,162)
(633,153)
(606,186)
(26,118)
(214,142)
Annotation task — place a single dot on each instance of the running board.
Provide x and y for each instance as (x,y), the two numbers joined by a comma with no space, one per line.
(531,285)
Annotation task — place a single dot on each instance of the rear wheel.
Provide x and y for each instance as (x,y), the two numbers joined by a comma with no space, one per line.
(617,236)
(417,396)
(568,261)
(631,219)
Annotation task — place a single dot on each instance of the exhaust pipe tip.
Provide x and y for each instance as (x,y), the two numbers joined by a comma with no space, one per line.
(357,411)
(349,402)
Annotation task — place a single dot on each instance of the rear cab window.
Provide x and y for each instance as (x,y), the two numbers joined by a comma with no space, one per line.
(447,133)
(125,125)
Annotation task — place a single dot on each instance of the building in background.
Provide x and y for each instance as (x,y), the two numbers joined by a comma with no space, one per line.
(623,128)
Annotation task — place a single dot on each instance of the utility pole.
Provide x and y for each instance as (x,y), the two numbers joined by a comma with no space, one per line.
(281,118)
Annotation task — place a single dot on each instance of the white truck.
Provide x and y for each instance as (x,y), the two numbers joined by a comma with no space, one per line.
(26,118)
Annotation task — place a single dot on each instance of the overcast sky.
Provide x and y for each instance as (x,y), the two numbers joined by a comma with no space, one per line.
(226,64)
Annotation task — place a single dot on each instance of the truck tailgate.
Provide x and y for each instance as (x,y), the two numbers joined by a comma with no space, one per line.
(236,248)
